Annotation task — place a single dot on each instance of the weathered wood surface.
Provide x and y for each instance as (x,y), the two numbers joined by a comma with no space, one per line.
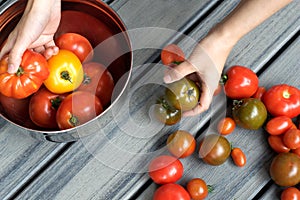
(78,174)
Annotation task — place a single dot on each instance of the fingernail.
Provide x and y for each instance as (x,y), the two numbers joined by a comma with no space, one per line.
(167,79)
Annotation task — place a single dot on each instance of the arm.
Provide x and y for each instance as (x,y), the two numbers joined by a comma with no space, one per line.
(213,50)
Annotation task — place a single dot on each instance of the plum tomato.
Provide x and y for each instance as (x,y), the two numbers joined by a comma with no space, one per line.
(171,191)
(181,144)
(259,93)
(77,108)
(226,126)
(291,138)
(238,157)
(183,94)
(165,169)
(98,80)
(249,113)
(285,169)
(214,149)
(282,100)
(43,106)
(198,189)
(290,193)
(76,43)
(276,143)
(240,82)
(166,113)
(172,54)
(279,125)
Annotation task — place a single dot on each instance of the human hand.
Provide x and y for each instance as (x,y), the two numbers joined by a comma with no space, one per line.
(35,30)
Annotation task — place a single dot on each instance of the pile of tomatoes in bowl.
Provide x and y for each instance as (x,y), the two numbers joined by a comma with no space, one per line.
(63,92)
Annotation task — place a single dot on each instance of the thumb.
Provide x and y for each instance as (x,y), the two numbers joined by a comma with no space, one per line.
(14,60)
(178,72)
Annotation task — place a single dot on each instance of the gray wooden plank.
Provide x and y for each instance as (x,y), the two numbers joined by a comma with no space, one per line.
(82,175)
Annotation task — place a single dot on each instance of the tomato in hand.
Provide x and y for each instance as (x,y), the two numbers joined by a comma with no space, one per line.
(181,144)
(76,43)
(165,169)
(238,157)
(43,106)
(291,138)
(279,125)
(171,191)
(226,126)
(276,143)
(290,193)
(240,82)
(29,77)
(198,189)
(77,108)
(282,100)
(66,73)
(99,81)
(172,54)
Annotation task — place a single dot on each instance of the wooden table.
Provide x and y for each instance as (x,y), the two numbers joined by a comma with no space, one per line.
(93,168)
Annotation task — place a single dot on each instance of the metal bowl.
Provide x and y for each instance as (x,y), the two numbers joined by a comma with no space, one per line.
(101,25)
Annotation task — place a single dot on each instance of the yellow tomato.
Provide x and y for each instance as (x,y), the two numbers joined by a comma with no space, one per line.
(66,72)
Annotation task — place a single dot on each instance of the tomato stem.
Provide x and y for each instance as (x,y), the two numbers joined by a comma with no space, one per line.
(66,76)
(20,71)
(177,62)
(86,79)
(56,102)
(223,79)
(74,121)
(210,188)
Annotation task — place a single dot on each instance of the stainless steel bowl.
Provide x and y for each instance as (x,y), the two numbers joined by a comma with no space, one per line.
(101,25)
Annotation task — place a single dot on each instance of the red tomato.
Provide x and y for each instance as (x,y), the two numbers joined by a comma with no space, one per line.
(259,93)
(171,191)
(29,77)
(279,125)
(240,82)
(282,100)
(99,81)
(181,144)
(238,157)
(43,106)
(226,126)
(290,193)
(76,43)
(77,108)
(296,151)
(165,169)
(198,189)
(276,143)
(218,90)
(291,138)
(172,54)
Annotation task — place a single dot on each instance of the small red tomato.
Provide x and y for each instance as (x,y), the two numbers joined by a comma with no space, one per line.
(238,157)
(181,144)
(172,54)
(296,151)
(291,138)
(276,143)
(198,189)
(76,43)
(259,93)
(218,90)
(165,169)
(171,191)
(226,126)
(240,82)
(279,125)
(290,193)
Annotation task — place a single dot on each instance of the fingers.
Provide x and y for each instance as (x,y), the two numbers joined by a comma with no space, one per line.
(50,50)
(178,72)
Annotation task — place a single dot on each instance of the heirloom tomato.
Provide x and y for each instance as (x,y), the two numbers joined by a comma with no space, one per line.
(43,106)
(77,108)
(66,73)
(172,54)
(290,193)
(31,73)
(282,100)
(279,125)
(171,191)
(181,144)
(240,82)
(98,80)
(226,126)
(198,189)
(165,169)
(76,43)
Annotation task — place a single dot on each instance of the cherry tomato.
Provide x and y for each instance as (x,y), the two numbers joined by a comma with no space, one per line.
(181,144)
(198,189)
(285,169)
(238,157)
(183,94)
(226,126)
(282,100)
(259,93)
(29,77)
(77,108)
(218,90)
(276,143)
(172,54)
(240,82)
(66,73)
(291,138)
(43,106)
(165,169)
(171,191)
(279,125)
(98,80)
(296,151)
(290,193)
(214,149)
(76,43)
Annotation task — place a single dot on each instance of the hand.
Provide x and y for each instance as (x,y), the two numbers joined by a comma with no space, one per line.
(35,30)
